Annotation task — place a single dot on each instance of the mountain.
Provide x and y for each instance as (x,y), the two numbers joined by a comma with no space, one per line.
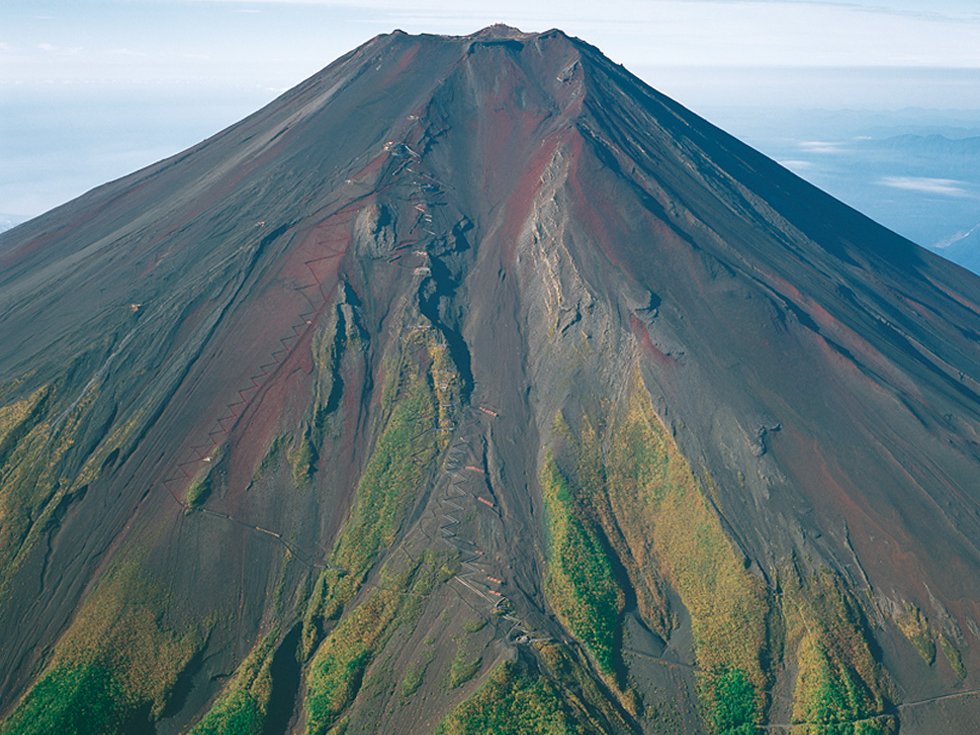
(473,386)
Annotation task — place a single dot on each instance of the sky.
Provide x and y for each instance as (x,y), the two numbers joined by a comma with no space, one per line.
(91,89)
(279,42)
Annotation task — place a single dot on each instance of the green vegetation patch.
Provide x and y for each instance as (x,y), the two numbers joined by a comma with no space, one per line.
(17,418)
(415,674)
(953,655)
(394,473)
(199,490)
(302,460)
(587,697)
(83,699)
(659,501)
(914,626)
(38,464)
(339,664)
(31,480)
(642,491)
(733,702)
(512,703)
(446,387)
(116,660)
(581,585)
(205,480)
(838,687)
(242,706)
(271,458)
(832,699)
(475,625)
(392,478)
(238,713)
(463,668)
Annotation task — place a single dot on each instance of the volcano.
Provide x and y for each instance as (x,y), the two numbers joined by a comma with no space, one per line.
(474,386)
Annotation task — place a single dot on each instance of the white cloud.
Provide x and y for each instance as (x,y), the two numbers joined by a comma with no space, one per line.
(794,164)
(51,49)
(656,34)
(123,51)
(926,185)
(821,146)
(706,32)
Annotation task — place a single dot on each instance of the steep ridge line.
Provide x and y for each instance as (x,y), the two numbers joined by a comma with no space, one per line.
(475,574)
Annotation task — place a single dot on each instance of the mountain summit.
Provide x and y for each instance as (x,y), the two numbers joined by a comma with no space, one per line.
(473,386)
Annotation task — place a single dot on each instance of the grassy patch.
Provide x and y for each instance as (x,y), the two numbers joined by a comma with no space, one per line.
(199,490)
(642,491)
(16,419)
(302,460)
(120,440)
(733,702)
(205,481)
(334,682)
(512,703)
(238,713)
(580,690)
(415,674)
(115,660)
(31,480)
(658,500)
(121,625)
(271,458)
(389,482)
(339,664)
(917,630)
(446,387)
(241,708)
(837,688)
(953,656)
(394,473)
(831,698)
(580,582)
(391,478)
(463,668)
(474,625)
(83,699)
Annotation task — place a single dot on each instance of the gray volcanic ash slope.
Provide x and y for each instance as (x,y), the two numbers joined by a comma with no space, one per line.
(474,386)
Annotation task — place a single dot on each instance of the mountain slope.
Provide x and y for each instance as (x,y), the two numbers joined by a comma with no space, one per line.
(470,383)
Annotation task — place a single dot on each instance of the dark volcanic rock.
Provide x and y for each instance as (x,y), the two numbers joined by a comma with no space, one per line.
(473,382)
